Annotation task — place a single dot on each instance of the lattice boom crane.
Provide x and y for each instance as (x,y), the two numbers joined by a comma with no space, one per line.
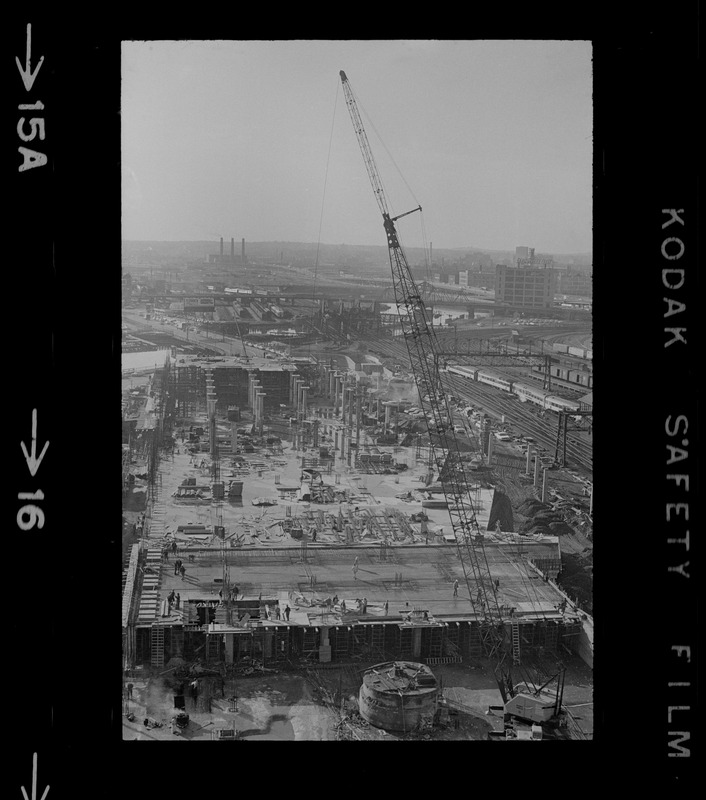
(422,346)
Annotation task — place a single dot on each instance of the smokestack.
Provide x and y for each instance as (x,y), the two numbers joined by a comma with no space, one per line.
(232,249)
(221,247)
(242,250)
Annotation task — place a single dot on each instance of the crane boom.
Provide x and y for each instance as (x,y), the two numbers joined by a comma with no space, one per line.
(422,346)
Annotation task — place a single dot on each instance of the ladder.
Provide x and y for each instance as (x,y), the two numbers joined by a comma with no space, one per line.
(515,627)
(157,646)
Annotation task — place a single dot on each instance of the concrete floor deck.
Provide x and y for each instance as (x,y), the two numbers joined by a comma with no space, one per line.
(269,562)
(416,576)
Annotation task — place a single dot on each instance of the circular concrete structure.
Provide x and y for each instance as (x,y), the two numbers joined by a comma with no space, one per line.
(398,695)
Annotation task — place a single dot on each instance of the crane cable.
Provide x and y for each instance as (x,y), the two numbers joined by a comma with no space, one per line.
(323,203)
(427,260)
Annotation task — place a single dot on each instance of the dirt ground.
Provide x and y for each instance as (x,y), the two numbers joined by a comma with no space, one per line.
(317,704)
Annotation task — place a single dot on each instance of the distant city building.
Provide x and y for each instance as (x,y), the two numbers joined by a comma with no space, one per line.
(575,283)
(525,285)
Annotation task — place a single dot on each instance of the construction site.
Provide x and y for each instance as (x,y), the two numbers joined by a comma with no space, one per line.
(321,545)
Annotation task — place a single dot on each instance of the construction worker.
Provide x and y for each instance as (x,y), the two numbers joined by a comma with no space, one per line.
(182,569)
(387,605)
(456,588)
(355,570)
(287,609)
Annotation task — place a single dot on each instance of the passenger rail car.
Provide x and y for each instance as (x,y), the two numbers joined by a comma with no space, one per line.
(525,392)
(491,379)
(465,372)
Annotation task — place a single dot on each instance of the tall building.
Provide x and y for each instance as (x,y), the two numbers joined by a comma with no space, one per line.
(529,286)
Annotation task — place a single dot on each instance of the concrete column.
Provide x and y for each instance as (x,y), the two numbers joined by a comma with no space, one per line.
(336,390)
(261,410)
(490,448)
(358,419)
(544,485)
(305,393)
(234,436)
(536,470)
(229,647)
(529,461)
(416,642)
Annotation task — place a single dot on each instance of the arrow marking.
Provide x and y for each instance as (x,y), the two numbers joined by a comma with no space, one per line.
(31,458)
(27,75)
(34,782)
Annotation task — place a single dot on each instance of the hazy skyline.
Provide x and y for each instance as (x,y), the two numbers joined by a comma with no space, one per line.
(232,139)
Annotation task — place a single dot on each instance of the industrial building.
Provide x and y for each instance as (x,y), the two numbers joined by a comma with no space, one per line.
(525,286)
(221,259)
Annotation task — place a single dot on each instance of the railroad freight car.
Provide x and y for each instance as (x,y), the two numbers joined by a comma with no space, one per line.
(580,377)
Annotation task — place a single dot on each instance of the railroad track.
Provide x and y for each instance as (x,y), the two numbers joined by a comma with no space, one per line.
(527,421)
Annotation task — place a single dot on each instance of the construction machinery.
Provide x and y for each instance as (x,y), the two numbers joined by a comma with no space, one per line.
(499,631)
(421,340)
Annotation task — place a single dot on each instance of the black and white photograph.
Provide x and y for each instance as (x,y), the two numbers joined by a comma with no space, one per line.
(357,473)
(341,300)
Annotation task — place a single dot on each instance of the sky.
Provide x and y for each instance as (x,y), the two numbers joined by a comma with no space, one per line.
(252,139)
